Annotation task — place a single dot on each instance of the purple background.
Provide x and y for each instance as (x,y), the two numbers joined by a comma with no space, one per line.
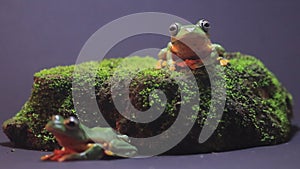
(38,34)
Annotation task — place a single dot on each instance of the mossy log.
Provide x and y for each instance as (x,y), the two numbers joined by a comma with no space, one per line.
(257,108)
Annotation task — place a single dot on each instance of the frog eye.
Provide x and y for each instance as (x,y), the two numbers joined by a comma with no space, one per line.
(57,118)
(174,29)
(71,122)
(204,25)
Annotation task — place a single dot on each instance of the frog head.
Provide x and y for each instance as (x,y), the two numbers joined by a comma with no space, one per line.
(190,41)
(69,133)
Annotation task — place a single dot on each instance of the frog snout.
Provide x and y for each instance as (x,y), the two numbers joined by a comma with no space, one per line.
(56,120)
(190,29)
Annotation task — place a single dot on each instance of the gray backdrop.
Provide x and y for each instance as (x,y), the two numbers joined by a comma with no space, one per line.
(38,34)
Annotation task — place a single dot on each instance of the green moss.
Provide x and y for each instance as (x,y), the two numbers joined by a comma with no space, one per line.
(266,95)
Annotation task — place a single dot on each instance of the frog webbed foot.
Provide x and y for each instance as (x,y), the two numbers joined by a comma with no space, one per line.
(71,157)
(165,64)
(171,64)
(159,64)
(57,154)
(172,68)
(223,61)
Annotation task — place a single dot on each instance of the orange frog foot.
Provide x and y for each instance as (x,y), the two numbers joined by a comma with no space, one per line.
(223,61)
(56,155)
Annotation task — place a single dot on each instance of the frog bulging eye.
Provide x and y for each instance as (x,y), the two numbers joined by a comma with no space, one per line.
(174,29)
(57,118)
(204,25)
(71,122)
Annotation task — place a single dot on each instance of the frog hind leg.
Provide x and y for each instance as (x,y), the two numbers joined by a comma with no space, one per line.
(118,147)
(94,152)
(123,137)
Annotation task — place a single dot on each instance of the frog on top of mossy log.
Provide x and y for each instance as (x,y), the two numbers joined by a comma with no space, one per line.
(257,108)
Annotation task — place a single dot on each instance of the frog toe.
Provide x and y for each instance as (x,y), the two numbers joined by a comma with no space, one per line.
(172,68)
(158,67)
(47,157)
(54,156)
(224,62)
(72,157)
(159,64)
(65,158)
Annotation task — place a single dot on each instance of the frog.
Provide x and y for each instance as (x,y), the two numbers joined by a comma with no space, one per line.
(190,46)
(80,142)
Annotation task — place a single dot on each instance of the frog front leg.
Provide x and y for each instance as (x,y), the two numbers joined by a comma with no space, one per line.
(170,62)
(162,55)
(220,51)
(94,152)
(165,57)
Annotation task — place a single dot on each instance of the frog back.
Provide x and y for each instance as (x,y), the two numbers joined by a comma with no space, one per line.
(101,134)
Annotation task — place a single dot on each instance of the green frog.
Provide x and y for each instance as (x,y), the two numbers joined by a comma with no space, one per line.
(192,46)
(82,143)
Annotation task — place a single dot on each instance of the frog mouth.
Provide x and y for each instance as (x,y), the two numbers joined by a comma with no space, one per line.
(191,40)
(191,48)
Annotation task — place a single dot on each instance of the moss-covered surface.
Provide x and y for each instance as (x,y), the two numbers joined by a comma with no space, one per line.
(257,108)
